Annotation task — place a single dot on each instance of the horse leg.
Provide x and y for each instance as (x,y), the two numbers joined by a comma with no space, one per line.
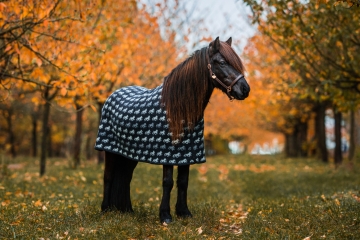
(182,209)
(167,184)
(110,160)
(117,177)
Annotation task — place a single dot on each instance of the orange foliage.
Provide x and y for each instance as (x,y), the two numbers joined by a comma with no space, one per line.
(280,100)
(87,53)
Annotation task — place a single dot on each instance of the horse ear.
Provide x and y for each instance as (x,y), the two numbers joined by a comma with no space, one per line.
(214,46)
(229,41)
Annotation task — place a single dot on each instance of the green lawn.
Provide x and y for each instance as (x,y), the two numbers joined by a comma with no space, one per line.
(231,197)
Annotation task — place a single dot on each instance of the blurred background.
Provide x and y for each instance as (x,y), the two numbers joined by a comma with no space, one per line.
(60,60)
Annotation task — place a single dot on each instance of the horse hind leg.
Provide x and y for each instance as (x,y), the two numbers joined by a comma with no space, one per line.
(182,182)
(117,177)
(167,183)
(108,178)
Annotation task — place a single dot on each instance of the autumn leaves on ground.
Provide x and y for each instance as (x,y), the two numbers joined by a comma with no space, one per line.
(60,60)
(230,196)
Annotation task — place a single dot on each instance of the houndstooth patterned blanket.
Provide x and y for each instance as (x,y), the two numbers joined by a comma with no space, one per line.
(133,124)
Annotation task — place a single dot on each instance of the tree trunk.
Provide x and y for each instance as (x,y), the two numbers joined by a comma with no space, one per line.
(101,154)
(45,129)
(77,139)
(34,135)
(357,129)
(296,141)
(302,128)
(44,137)
(11,132)
(337,151)
(352,135)
(50,146)
(88,146)
(291,144)
(320,132)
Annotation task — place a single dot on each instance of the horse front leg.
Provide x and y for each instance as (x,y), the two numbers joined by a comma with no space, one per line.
(167,183)
(182,182)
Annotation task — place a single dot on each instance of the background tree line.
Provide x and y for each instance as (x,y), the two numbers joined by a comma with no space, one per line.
(60,60)
(312,64)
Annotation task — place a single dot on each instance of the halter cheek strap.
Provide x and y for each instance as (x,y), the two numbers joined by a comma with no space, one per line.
(228,88)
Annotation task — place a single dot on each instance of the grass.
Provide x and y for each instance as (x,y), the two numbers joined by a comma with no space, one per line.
(231,197)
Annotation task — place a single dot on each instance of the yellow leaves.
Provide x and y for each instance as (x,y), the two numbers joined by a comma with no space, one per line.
(294,111)
(233,218)
(130,53)
(38,203)
(5,202)
(40,74)
(38,61)
(93,107)
(63,91)
(339,44)
(2,6)
(25,12)
(224,171)
(107,76)
(46,23)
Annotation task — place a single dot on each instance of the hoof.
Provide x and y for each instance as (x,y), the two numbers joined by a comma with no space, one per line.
(165,217)
(184,213)
(166,221)
(105,210)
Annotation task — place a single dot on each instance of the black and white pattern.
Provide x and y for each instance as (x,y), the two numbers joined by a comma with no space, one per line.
(133,124)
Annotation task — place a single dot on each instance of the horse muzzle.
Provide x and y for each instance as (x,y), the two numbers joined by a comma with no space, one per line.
(241,90)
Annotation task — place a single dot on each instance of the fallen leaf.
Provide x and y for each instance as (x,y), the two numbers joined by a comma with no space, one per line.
(4,203)
(37,203)
(199,230)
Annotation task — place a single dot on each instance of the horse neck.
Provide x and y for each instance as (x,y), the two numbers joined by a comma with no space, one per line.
(184,94)
(187,91)
(208,94)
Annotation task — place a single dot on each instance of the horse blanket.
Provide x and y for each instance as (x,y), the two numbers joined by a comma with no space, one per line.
(134,124)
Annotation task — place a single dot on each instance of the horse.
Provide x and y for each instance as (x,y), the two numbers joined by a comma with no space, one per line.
(165,125)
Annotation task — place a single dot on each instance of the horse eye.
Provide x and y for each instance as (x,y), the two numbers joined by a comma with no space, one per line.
(222,63)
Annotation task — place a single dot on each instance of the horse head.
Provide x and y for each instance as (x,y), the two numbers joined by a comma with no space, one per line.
(226,70)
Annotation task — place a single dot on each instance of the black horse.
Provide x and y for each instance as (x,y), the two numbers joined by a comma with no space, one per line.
(165,125)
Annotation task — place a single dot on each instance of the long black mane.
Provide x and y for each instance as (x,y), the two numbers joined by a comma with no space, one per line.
(186,91)
(188,87)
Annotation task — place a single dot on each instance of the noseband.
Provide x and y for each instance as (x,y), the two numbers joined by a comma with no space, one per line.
(228,88)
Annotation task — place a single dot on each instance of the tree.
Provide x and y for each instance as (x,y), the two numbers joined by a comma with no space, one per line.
(320,41)
(74,59)
(281,104)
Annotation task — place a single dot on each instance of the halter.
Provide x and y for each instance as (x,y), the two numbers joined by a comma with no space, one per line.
(228,88)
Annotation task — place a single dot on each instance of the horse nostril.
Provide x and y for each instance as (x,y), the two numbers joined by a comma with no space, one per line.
(246,88)
(243,89)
